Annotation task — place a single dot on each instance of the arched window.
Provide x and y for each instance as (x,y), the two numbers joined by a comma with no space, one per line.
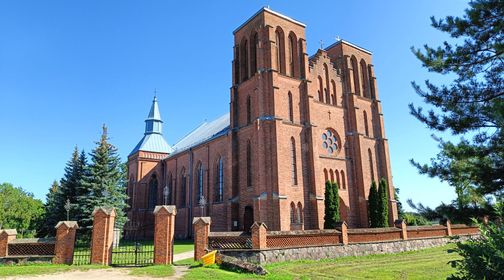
(291,109)
(249,110)
(370,155)
(244,60)
(338,179)
(279,40)
(326,177)
(321,90)
(292,45)
(237,65)
(301,59)
(153,192)
(355,70)
(343,181)
(366,126)
(331,175)
(253,53)
(292,213)
(299,215)
(249,165)
(169,184)
(371,83)
(219,181)
(199,182)
(293,162)
(334,95)
(364,79)
(183,188)
(327,90)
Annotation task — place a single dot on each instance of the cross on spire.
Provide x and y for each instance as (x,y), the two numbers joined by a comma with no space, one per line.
(321,44)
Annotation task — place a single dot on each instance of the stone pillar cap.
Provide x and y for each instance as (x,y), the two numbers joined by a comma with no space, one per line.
(68,224)
(258,224)
(170,209)
(341,223)
(204,220)
(109,211)
(8,231)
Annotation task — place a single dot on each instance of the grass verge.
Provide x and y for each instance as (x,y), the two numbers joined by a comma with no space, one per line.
(40,269)
(153,271)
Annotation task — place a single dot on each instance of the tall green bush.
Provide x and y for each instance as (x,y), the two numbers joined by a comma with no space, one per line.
(373,205)
(331,205)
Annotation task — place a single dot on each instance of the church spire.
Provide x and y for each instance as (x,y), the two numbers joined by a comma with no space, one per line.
(153,123)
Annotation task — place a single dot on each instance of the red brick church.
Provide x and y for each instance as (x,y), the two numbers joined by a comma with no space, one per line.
(295,121)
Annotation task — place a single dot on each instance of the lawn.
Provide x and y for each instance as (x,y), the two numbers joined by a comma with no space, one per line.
(425,264)
(39,269)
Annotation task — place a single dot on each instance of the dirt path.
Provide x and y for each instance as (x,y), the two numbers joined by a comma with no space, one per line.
(109,273)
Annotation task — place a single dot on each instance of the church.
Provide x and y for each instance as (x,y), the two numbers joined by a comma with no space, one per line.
(295,121)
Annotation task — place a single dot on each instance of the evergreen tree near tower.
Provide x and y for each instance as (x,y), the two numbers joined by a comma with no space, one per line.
(331,205)
(378,209)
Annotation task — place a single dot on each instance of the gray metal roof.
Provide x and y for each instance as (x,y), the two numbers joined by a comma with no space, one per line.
(203,133)
(153,140)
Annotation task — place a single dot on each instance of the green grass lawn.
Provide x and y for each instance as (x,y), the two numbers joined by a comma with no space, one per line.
(39,269)
(182,246)
(425,264)
(157,271)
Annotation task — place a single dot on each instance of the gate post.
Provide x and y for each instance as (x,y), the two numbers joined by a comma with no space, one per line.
(65,242)
(201,231)
(164,230)
(6,235)
(259,236)
(103,235)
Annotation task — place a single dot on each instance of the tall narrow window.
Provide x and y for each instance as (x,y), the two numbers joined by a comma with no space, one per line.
(253,54)
(370,155)
(169,184)
(249,165)
(292,213)
(343,180)
(249,110)
(299,213)
(321,90)
(293,162)
(355,70)
(334,95)
(326,177)
(219,181)
(292,45)
(153,192)
(199,181)
(331,174)
(366,126)
(183,188)
(237,66)
(364,79)
(301,59)
(279,37)
(338,179)
(244,60)
(291,110)
(327,90)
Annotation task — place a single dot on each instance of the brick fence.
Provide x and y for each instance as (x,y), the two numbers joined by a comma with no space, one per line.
(261,243)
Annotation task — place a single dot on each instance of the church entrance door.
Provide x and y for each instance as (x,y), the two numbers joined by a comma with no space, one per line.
(248,218)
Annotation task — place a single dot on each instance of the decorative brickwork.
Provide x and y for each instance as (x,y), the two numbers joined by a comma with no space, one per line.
(65,241)
(164,232)
(201,231)
(103,235)
(259,236)
(6,236)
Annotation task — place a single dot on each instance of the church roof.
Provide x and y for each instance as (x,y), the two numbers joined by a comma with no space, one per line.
(153,140)
(203,133)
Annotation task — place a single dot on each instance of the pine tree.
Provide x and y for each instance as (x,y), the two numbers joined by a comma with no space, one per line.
(373,205)
(336,212)
(471,105)
(383,208)
(71,185)
(103,184)
(51,214)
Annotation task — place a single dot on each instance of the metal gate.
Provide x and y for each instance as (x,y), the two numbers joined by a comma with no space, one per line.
(133,253)
(82,249)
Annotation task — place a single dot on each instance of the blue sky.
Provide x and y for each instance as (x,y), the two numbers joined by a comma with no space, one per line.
(67,67)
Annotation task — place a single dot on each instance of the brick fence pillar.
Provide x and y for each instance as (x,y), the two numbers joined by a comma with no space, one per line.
(447,224)
(164,230)
(259,236)
(401,224)
(201,228)
(65,241)
(103,235)
(343,227)
(6,236)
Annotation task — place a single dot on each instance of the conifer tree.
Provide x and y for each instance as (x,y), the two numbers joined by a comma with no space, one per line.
(329,222)
(103,184)
(51,214)
(373,205)
(336,212)
(383,208)
(71,185)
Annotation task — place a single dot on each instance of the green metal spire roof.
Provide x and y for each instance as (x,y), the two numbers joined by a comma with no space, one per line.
(153,140)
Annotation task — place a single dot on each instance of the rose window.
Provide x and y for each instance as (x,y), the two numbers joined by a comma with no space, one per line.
(329,142)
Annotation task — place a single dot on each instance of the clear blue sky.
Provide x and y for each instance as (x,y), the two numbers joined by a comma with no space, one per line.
(67,67)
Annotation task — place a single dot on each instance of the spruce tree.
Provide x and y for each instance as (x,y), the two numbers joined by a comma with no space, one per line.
(383,208)
(71,185)
(373,205)
(102,183)
(336,212)
(51,213)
